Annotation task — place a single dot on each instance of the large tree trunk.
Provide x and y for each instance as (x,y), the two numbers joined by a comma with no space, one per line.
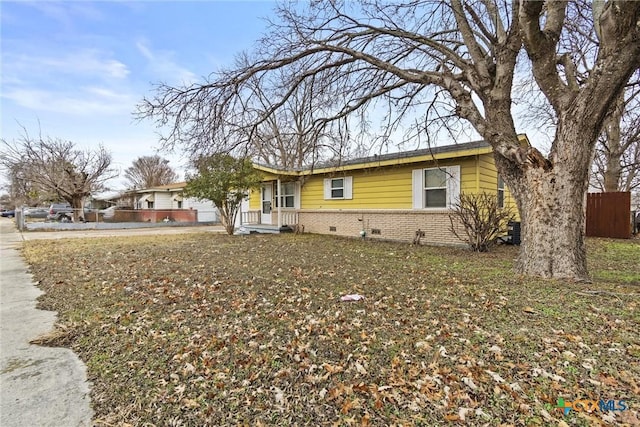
(78,211)
(551,201)
(552,214)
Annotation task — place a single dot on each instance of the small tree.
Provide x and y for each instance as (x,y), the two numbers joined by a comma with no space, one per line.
(225,181)
(481,218)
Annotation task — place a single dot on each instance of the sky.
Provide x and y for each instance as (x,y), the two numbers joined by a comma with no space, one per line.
(76,69)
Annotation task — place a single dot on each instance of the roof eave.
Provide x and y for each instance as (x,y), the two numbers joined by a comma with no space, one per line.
(380,163)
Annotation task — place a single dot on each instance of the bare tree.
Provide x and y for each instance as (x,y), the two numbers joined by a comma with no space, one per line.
(21,190)
(290,137)
(447,60)
(150,171)
(58,167)
(617,159)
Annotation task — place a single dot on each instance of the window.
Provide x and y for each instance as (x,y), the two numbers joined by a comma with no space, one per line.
(500,192)
(149,205)
(288,195)
(338,188)
(179,204)
(436,188)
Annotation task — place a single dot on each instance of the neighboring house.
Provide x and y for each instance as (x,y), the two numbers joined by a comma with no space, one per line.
(106,199)
(170,196)
(389,196)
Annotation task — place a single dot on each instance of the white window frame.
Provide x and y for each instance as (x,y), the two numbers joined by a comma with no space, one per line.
(347,188)
(452,187)
(426,189)
(501,193)
(294,195)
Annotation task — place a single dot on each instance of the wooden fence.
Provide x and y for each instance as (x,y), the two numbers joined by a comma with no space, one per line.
(609,215)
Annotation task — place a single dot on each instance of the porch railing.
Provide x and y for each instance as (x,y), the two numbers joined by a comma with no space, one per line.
(251,217)
(288,217)
(254,217)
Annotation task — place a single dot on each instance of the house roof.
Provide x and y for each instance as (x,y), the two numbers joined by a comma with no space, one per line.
(108,195)
(176,186)
(404,157)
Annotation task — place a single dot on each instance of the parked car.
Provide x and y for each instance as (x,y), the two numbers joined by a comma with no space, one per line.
(60,212)
(8,213)
(36,212)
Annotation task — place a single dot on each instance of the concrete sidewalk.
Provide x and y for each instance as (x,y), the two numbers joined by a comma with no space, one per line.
(39,386)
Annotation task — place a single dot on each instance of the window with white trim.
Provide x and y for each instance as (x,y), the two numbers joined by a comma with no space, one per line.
(288,195)
(338,188)
(436,188)
(500,192)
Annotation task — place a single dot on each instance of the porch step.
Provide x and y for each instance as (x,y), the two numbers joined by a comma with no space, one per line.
(263,229)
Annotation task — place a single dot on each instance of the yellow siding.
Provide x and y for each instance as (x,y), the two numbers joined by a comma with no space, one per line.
(254,200)
(389,187)
(255,196)
(488,174)
(381,188)
(488,179)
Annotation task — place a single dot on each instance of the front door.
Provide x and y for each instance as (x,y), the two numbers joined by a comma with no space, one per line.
(267,198)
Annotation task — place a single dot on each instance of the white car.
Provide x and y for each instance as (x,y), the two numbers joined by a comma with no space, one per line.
(109,212)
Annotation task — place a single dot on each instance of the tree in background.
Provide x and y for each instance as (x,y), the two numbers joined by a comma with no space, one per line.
(23,191)
(432,63)
(293,136)
(617,157)
(57,167)
(150,171)
(225,181)
(616,165)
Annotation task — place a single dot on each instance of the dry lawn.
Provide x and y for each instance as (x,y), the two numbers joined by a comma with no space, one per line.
(212,330)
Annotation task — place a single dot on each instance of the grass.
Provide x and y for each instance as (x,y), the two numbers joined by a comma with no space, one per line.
(217,330)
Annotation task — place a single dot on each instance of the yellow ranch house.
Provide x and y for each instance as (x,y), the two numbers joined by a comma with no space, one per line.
(389,196)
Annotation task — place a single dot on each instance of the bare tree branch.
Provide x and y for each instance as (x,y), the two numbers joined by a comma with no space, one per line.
(57,167)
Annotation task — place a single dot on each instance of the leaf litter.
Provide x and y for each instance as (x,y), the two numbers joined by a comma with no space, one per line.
(209,330)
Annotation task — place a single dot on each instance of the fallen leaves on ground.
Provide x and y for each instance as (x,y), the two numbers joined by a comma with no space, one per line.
(217,330)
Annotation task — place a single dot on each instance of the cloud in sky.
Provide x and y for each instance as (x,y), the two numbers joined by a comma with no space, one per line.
(76,69)
(81,82)
(162,65)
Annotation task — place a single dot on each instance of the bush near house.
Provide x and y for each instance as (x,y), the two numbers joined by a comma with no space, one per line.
(481,218)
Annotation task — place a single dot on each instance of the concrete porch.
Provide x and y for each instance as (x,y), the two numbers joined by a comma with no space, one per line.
(263,229)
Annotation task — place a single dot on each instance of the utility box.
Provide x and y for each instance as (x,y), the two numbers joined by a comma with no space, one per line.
(513,231)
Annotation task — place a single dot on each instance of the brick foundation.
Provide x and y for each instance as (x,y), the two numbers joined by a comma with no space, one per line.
(398,225)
